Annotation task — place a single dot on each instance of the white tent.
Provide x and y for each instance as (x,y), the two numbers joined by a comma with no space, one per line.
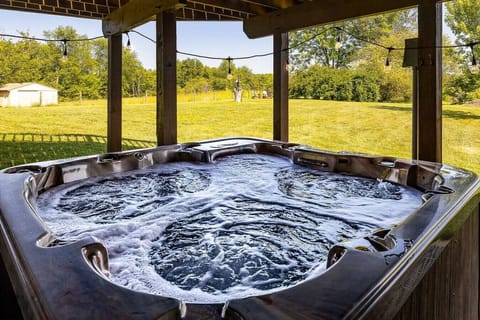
(27,95)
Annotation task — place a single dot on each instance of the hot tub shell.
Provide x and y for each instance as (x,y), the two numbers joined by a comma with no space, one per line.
(367,278)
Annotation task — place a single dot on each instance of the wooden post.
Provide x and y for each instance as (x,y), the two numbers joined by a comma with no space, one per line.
(280,87)
(429,139)
(114,117)
(415,113)
(166,78)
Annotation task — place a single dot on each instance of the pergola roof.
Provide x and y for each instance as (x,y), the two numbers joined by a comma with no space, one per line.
(260,17)
(197,10)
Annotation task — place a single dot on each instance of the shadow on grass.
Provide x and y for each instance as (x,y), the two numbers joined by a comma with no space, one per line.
(452,114)
(460,115)
(22,148)
(393,108)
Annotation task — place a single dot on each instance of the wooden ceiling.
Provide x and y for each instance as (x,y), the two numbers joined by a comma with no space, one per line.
(260,17)
(194,10)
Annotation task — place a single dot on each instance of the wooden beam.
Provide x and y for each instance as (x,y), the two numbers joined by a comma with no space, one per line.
(280,87)
(135,13)
(429,113)
(311,13)
(166,78)
(114,99)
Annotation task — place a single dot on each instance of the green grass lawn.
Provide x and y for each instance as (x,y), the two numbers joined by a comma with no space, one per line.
(67,130)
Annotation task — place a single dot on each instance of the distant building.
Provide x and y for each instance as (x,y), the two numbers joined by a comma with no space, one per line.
(27,95)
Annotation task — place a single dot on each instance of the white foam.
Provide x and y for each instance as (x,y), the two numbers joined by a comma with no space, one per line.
(280,217)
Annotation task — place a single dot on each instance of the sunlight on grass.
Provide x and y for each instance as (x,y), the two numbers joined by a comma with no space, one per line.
(74,129)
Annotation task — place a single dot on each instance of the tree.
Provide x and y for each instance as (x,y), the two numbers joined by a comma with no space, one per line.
(24,61)
(188,70)
(395,80)
(75,73)
(246,79)
(463,88)
(463,18)
(336,45)
(15,61)
(133,74)
(324,45)
(150,81)
(218,77)
(99,52)
(83,72)
(261,83)
(197,85)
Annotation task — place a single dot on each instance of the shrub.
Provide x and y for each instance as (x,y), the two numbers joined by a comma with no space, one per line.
(335,84)
(366,87)
(396,86)
(463,88)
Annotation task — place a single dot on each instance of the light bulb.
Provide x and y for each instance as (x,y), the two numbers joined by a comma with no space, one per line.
(128,41)
(338,43)
(65,51)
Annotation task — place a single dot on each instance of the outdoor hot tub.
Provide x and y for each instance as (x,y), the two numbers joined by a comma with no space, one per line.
(238,228)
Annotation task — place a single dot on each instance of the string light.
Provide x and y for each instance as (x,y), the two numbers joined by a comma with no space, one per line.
(387,60)
(65,51)
(229,74)
(287,65)
(474,59)
(474,68)
(128,41)
(338,44)
(64,41)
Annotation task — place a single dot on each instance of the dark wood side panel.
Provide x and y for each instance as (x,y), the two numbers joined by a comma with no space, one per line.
(449,290)
(9,308)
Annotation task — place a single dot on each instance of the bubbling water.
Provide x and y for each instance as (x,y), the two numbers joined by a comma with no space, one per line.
(127,197)
(211,232)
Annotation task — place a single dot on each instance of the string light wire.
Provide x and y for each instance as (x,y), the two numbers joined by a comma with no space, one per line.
(48,40)
(389,49)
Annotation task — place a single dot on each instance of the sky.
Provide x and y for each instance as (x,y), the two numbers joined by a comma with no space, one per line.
(216,39)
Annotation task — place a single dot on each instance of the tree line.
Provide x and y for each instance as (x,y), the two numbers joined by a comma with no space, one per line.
(343,63)
(334,63)
(194,77)
(82,73)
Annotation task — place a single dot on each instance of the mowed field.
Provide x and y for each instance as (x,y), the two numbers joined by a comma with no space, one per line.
(70,129)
